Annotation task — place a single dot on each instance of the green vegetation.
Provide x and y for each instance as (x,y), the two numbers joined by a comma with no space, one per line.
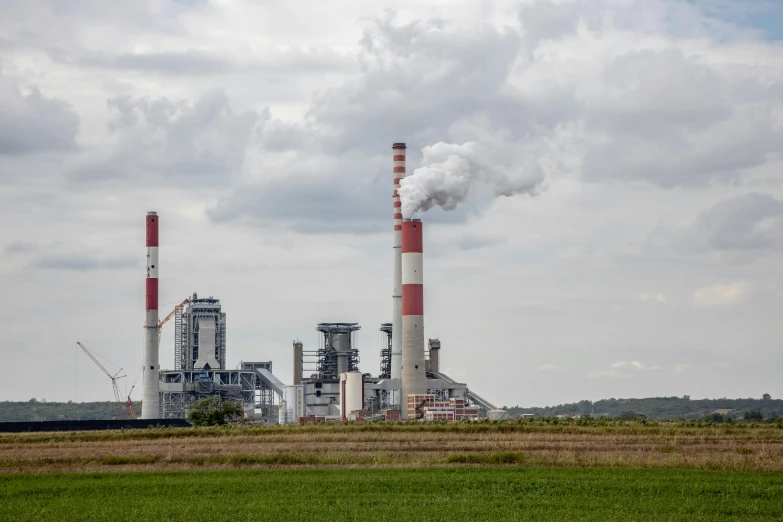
(35,410)
(662,408)
(433,494)
(655,408)
(212,412)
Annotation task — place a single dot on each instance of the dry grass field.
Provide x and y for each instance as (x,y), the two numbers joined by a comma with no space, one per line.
(625,445)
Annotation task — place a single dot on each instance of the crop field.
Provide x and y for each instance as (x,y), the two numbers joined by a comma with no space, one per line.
(432,494)
(619,445)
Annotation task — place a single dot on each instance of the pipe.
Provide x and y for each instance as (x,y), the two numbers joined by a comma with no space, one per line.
(414,376)
(150,397)
(398,172)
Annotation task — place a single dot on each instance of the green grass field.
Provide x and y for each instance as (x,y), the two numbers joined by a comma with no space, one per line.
(376,495)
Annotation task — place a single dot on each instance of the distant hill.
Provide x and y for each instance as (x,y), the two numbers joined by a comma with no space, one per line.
(661,408)
(34,410)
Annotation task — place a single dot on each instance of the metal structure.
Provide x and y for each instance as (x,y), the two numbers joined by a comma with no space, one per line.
(337,351)
(414,376)
(171,314)
(398,172)
(117,397)
(268,389)
(298,362)
(180,389)
(433,356)
(150,405)
(200,335)
(386,351)
(252,384)
(473,397)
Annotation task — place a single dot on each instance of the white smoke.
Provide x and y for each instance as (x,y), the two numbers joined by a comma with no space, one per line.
(450,172)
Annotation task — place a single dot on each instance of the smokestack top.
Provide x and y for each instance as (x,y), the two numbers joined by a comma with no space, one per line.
(152,213)
(412,241)
(152,231)
(399,146)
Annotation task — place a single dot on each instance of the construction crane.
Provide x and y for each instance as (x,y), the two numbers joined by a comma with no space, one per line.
(129,404)
(117,397)
(171,314)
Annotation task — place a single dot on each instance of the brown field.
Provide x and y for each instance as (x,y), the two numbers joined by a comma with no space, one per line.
(747,448)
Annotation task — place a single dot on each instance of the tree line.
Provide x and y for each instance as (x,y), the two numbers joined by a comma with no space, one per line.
(665,408)
(36,410)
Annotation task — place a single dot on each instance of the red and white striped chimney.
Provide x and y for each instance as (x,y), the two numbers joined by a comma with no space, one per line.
(150,397)
(414,376)
(398,172)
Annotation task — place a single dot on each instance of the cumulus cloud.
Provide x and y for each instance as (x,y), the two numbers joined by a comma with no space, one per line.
(204,141)
(314,205)
(751,222)
(32,122)
(720,294)
(661,109)
(625,370)
(736,230)
(676,119)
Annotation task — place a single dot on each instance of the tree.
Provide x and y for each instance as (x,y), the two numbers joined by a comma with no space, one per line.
(753,416)
(766,397)
(212,412)
(631,415)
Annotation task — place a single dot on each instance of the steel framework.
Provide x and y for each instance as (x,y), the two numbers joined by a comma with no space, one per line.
(180,389)
(328,353)
(386,351)
(186,332)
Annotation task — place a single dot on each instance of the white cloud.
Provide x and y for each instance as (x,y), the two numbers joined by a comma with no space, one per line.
(551,368)
(681,368)
(648,297)
(625,370)
(719,294)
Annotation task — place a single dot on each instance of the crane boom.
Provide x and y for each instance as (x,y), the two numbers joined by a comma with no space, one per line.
(117,396)
(169,316)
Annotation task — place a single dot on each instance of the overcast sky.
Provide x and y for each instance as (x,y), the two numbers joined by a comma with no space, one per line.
(649,262)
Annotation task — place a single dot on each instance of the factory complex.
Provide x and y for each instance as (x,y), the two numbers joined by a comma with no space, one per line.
(327,383)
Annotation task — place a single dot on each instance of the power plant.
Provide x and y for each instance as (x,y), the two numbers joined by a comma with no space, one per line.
(327,383)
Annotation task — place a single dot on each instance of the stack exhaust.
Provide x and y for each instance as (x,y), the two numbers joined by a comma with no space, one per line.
(414,376)
(150,397)
(398,172)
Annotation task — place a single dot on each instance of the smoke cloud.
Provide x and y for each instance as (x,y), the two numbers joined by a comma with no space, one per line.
(451,172)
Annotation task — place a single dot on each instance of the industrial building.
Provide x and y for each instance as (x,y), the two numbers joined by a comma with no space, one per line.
(327,383)
(200,335)
(407,370)
(200,366)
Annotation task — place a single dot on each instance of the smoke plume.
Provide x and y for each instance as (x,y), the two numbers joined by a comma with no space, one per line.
(450,172)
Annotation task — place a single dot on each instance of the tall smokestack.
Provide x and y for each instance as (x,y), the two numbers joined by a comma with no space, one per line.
(414,376)
(150,397)
(398,172)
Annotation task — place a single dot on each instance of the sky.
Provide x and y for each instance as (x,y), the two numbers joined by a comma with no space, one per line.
(646,262)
